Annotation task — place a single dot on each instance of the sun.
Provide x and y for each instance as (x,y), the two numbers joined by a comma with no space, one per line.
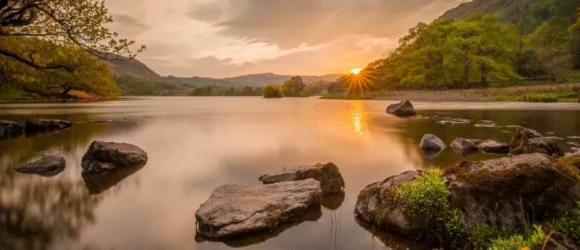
(355,71)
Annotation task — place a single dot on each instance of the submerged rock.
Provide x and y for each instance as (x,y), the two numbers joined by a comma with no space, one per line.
(328,175)
(402,109)
(432,143)
(494,147)
(48,163)
(40,125)
(97,183)
(9,129)
(464,147)
(507,192)
(236,209)
(526,141)
(106,156)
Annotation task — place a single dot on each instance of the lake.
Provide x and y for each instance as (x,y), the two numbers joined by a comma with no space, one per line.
(197,144)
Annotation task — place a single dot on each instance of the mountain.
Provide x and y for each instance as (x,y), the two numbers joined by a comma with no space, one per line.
(257,80)
(133,68)
(526,15)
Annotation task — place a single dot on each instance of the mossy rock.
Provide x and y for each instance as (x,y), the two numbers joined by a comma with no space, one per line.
(527,141)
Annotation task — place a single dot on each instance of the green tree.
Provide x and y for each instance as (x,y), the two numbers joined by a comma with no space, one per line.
(272,91)
(76,23)
(550,41)
(294,87)
(575,42)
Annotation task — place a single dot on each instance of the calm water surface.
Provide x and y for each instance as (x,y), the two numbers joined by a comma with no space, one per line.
(197,144)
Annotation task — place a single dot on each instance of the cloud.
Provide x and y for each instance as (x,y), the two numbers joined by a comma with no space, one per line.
(313,22)
(130,25)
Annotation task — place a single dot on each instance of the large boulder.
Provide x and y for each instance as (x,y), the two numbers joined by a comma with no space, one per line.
(48,163)
(40,125)
(402,109)
(494,147)
(106,156)
(328,175)
(507,192)
(464,147)
(9,129)
(236,209)
(526,141)
(432,143)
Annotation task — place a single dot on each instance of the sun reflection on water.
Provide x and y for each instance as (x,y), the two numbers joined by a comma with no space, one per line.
(358,116)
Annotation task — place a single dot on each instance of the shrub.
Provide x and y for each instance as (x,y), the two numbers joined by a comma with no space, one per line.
(483,236)
(570,225)
(426,197)
(531,240)
(272,91)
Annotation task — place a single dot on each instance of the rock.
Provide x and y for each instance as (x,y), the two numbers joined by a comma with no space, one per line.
(526,141)
(446,123)
(559,241)
(48,163)
(402,109)
(464,146)
(328,175)
(507,192)
(376,205)
(236,209)
(40,125)
(432,143)
(106,156)
(9,129)
(494,147)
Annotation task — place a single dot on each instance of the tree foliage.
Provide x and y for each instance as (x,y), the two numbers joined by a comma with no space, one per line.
(273,91)
(294,87)
(575,42)
(451,54)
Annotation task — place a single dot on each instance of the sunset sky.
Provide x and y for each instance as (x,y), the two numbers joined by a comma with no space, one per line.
(224,38)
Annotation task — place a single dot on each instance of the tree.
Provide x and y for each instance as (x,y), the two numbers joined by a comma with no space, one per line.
(272,91)
(575,42)
(294,87)
(77,23)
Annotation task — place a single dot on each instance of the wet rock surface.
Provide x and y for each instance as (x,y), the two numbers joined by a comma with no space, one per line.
(9,129)
(494,147)
(402,109)
(48,163)
(106,156)
(506,192)
(328,175)
(234,210)
(464,147)
(431,143)
(40,125)
(526,141)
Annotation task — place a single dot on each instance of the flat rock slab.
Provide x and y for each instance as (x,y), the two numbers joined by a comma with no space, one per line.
(106,156)
(402,109)
(41,125)
(9,129)
(234,210)
(494,147)
(328,175)
(48,163)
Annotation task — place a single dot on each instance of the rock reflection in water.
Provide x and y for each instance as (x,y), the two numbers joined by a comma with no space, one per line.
(100,182)
(332,202)
(390,240)
(313,213)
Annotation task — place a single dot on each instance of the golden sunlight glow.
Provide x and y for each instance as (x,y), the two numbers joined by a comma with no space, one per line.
(356,71)
(360,81)
(358,117)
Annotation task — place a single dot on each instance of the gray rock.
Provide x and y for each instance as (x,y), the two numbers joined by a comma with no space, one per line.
(40,125)
(447,123)
(506,192)
(236,209)
(48,163)
(402,109)
(328,175)
(464,147)
(106,156)
(432,143)
(527,141)
(494,147)
(9,129)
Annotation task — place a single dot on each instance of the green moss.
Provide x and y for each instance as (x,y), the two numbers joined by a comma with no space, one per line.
(426,197)
(570,225)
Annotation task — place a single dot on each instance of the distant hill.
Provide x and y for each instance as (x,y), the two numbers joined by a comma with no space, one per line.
(256,80)
(133,68)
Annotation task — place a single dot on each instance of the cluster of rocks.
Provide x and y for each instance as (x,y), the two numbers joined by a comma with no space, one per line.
(32,126)
(233,210)
(524,141)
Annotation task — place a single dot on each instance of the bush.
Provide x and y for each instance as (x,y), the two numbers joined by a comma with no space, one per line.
(535,238)
(272,91)
(570,225)
(483,236)
(426,197)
